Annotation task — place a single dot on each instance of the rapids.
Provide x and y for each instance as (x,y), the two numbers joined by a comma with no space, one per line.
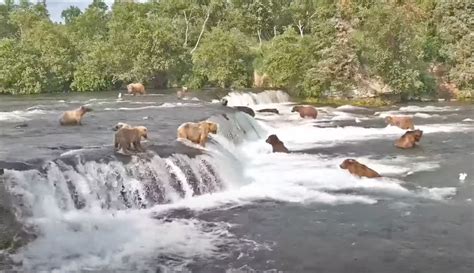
(70,203)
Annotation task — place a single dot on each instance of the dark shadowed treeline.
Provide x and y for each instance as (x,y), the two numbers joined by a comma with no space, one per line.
(312,48)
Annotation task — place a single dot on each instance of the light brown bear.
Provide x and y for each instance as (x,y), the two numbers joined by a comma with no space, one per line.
(305,111)
(197,132)
(358,169)
(74,117)
(409,139)
(277,145)
(128,139)
(400,121)
(136,89)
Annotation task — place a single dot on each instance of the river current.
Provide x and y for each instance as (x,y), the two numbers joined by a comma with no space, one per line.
(68,203)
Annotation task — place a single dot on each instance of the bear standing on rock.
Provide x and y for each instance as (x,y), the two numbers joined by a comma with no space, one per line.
(197,132)
(128,139)
(277,145)
(358,169)
(136,89)
(409,139)
(74,117)
(402,122)
(305,111)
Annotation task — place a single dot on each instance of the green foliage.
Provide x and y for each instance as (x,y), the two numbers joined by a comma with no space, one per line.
(284,59)
(312,48)
(224,59)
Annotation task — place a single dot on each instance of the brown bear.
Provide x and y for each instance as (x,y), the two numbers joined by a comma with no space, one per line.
(197,132)
(269,110)
(358,169)
(136,88)
(246,110)
(74,117)
(409,139)
(128,139)
(277,145)
(400,121)
(305,111)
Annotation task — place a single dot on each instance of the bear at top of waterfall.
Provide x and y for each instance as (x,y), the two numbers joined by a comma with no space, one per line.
(403,122)
(358,169)
(197,132)
(244,109)
(128,139)
(305,111)
(409,139)
(136,89)
(277,145)
(74,117)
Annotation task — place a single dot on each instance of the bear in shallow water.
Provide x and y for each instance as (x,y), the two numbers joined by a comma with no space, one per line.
(277,145)
(74,117)
(136,89)
(305,111)
(197,132)
(402,122)
(128,139)
(358,169)
(409,139)
(246,110)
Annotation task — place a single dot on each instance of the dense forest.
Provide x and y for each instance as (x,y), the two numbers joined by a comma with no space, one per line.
(312,48)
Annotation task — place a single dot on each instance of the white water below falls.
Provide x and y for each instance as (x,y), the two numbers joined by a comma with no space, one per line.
(97,229)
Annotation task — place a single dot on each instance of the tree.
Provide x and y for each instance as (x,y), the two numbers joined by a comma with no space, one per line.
(70,14)
(284,59)
(224,59)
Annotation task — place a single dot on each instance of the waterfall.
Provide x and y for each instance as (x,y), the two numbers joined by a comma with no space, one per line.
(78,183)
(250,99)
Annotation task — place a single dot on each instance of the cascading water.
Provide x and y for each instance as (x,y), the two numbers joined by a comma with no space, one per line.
(73,185)
(251,99)
(114,214)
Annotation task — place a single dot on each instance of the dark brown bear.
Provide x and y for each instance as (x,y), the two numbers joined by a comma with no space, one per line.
(277,145)
(358,169)
(246,110)
(269,110)
(305,111)
(409,139)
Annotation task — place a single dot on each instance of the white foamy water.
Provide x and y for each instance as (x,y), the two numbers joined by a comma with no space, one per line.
(428,108)
(251,99)
(20,116)
(351,107)
(164,105)
(124,241)
(105,236)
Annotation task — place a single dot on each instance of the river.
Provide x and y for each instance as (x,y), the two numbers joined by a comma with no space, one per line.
(68,203)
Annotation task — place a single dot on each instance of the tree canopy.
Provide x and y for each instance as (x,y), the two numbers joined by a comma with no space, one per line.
(311,48)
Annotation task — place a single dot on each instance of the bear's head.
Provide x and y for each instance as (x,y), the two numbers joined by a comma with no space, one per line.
(418,134)
(208,126)
(348,162)
(273,139)
(143,131)
(84,109)
(296,108)
(388,120)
